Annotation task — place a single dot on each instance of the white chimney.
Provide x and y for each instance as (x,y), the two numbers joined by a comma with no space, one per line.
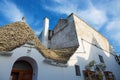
(45,32)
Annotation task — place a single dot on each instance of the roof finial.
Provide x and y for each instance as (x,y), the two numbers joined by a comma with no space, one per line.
(23,19)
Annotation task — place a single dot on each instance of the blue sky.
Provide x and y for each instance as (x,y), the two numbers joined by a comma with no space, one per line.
(103,15)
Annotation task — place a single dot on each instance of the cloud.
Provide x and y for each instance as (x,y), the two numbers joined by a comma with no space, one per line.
(90,13)
(63,7)
(112,7)
(10,11)
(38,31)
(113,28)
(97,18)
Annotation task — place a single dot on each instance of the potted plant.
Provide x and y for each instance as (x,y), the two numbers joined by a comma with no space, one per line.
(90,65)
(101,66)
(99,70)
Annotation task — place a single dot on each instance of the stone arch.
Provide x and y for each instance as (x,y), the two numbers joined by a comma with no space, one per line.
(29,63)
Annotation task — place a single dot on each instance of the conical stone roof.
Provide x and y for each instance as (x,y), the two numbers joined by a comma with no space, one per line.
(16,34)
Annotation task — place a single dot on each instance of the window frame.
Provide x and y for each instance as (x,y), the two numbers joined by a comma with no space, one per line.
(77,70)
(101,59)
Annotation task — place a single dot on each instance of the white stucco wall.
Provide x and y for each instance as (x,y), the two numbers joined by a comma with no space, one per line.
(19,53)
(83,55)
(88,39)
(50,72)
(41,70)
(91,53)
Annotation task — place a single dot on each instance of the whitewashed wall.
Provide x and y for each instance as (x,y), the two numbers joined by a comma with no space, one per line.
(19,53)
(41,70)
(79,33)
(88,39)
(84,54)
(91,53)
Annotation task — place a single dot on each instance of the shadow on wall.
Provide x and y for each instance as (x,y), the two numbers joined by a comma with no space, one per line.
(93,51)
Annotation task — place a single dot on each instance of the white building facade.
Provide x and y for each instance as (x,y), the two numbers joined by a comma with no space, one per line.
(92,46)
(26,62)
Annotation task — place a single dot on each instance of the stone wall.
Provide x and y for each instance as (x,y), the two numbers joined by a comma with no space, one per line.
(64,36)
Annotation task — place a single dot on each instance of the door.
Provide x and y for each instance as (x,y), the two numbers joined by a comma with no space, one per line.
(21,71)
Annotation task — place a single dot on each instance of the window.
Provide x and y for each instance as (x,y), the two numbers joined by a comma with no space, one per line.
(50,34)
(117,59)
(77,70)
(101,59)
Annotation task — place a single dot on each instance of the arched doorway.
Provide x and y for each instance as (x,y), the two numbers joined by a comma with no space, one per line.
(22,70)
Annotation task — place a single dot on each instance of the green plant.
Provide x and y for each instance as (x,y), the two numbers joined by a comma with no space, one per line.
(91,63)
(101,66)
(100,76)
(99,69)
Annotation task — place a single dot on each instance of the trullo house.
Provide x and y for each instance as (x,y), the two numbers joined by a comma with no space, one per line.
(72,51)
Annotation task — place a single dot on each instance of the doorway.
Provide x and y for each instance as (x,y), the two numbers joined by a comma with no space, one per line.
(22,70)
